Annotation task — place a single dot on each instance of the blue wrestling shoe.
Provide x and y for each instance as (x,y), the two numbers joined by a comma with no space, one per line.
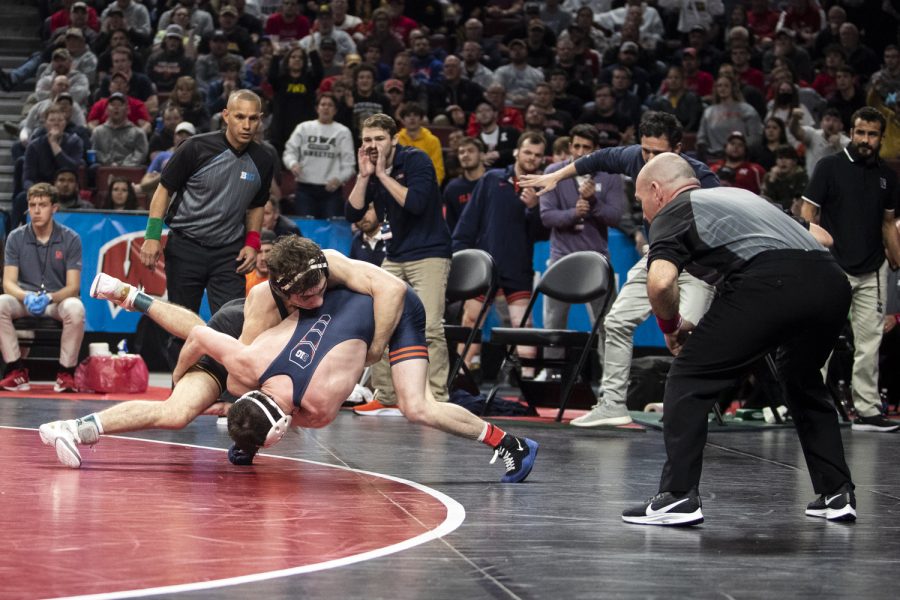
(518,455)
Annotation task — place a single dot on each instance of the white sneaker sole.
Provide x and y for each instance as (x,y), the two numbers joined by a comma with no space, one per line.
(380,412)
(68,453)
(874,428)
(600,422)
(22,387)
(682,519)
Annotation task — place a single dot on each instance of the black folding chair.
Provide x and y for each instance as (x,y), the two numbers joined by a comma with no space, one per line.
(577,278)
(472,274)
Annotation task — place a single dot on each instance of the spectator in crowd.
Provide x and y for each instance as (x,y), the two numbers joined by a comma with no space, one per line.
(518,78)
(886,81)
(558,121)
(42,277)
(847,97)
(325,29)
(170,62)
(120,195)
(860,57)
(536,122)
(696,80)
(555,17)
(678,100)
(473,31)
(294,78)
(187,96)
(578,213)
(139,85)
(209,66)
(368,243)
(825,82)
(227,81)
(150,180)
(414,90)
(415,135)
(61,64)
(164,137)
(454,90)
(380,34)
(727,114)
(66,184)
(829,35)
(364,101)
(342,19)
(44,156)
(190,38)
(75,14)
(505,222)
(427,68)
(238,40)
(287,25)
(401,182)
(783,104)
(747,175)
(786,48)
(103,47)
(187,15)
(136,20)
(248,19)
(762,21)
(273,220)
(562,99)
(458,192)
(889,108)
(118,142)
(820,142)
(137,110)
(401,25)
(260,272)
(786,181)
(691,15)
(327,51)
(561,151)
(320,154)
(540,53)
(745,72)
(651,23)
(854,194)
(638,78)
(774,136)
(83,60)
(499,142)
(59,94)
(614,128)
(371,56)
(472,68)
(506,116)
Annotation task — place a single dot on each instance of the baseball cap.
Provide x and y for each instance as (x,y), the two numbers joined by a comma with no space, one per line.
(115,9)
(228,10)
(117,96)
(80,5)
(218,34)
(518,42)
(61,53)
(393,84)
(324,9)
(689,52)
(186,127)
(174,30)
(74,32)
(737,134)
(267,236)
(629,47)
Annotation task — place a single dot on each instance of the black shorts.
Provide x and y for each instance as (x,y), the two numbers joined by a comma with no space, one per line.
(230,321)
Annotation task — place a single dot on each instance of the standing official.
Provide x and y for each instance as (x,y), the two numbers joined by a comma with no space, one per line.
(854,194)
(212,193)
(780,289)
(401,182)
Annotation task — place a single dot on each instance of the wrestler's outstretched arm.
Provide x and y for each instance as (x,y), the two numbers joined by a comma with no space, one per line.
(387,291)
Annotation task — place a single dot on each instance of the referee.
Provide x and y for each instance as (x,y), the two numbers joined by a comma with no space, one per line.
(780,289)
(212,193)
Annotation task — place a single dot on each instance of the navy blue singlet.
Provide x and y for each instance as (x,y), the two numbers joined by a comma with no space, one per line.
(344,315)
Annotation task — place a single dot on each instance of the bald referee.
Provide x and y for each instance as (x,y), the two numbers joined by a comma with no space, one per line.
(212,193)
(780,289)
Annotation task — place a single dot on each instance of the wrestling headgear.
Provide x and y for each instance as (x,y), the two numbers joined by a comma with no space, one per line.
(286,285)
(279,420)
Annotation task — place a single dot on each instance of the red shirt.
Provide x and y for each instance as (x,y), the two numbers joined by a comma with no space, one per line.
(825,84)
(61,19)
(510,117)
(137,111)
(748,175)
(753,77)
(701,83)
(762,25)
(401,26)
(295,30)
(809,21)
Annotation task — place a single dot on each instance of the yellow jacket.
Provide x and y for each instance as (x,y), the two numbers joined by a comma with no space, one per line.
(428,143)
(890,141)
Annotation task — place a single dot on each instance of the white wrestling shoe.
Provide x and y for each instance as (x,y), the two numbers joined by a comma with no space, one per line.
(107,287)
(63,435)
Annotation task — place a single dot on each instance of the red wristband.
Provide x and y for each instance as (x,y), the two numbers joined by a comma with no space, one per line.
(669,325)
(252,240)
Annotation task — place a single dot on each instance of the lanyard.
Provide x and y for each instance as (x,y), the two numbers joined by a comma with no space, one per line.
(46,256)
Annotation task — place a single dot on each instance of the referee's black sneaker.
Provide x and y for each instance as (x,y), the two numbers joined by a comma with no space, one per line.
(877,423)
(667,508)
(839,506)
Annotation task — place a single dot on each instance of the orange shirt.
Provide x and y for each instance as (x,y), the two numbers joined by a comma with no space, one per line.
(253,277)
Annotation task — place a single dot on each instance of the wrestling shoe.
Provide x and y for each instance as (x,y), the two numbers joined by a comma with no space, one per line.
(839,506)
(603,413)
(878,423)
(16,381)
(65,382)
(106,287)
(63,435)
(377,409)
(667,508)
(518,455)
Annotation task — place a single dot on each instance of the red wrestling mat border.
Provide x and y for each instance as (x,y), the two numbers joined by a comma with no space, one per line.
(143,517)
(45,390)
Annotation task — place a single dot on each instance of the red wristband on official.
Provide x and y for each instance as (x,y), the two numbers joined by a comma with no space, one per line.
(252,240)
(669,325)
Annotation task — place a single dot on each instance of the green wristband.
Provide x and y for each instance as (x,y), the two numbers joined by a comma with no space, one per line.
(154,229)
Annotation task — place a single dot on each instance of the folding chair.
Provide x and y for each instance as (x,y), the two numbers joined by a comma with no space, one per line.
(472,274)
(577,278)
(39,339)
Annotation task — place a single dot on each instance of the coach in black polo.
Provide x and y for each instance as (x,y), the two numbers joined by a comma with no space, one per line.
(212,193)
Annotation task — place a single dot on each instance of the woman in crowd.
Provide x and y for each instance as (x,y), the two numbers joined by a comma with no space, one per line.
(294,78)
(120,195)
(727,114)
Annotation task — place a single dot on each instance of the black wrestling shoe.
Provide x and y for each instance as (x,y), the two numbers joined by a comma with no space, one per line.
(839,506)
(667,508)
(518,455)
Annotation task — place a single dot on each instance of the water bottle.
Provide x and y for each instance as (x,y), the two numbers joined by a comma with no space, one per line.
(123,347)
(91,157)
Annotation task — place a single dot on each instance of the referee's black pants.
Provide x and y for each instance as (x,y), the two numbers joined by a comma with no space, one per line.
(791,300)
(192,268)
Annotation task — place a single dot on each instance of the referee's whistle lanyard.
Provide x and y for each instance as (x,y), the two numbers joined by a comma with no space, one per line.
(46,256)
